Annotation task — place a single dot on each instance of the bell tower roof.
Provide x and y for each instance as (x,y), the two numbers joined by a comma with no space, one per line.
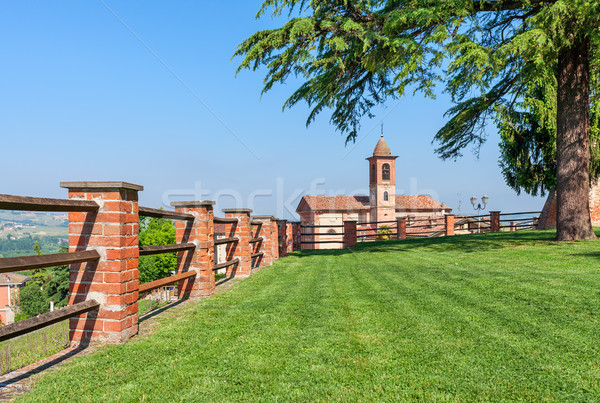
(382,149)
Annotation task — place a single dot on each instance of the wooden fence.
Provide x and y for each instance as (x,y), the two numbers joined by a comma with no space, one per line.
(104,251)
(104,255)
(328,236)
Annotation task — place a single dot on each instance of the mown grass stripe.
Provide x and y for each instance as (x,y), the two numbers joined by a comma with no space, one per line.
(508,316)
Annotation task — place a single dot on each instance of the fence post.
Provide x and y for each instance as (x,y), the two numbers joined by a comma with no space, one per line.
(401,228)
(449,225)
(113,279)
(289,236)
(202,259)
(266,231)
(275,243)
(495,221)
(282,241)
(240,250)
(349,234)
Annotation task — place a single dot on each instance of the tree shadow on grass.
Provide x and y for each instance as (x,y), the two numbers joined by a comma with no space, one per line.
(594,255)
(462,243)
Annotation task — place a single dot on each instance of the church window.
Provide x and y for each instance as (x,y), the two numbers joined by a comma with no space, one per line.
(385,172)
(385,196)
(331,231)
(373,179)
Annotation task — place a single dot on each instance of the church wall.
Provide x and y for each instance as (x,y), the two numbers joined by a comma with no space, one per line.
(330,219)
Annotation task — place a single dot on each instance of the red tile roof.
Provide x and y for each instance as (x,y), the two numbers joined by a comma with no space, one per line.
(345,203)
(333,203)
(420,202)
(13,278)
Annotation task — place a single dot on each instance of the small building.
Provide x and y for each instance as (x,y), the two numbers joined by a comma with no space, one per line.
(548,215)
(10,284)
(381,207)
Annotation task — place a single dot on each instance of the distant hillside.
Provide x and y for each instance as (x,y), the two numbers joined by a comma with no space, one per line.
(19,230)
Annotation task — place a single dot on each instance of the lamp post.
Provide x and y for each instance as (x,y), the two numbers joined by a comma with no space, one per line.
(479,207)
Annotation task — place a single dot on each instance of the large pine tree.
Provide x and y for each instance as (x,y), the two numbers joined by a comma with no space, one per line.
(354,55)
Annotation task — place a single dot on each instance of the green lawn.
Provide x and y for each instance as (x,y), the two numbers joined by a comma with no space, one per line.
(506,316)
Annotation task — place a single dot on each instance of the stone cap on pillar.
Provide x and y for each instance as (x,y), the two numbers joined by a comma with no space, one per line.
(264,217)
(194,203)
(101,185)
(494,212)
(237,210)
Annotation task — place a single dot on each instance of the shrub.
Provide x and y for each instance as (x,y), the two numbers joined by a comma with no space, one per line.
(384,233)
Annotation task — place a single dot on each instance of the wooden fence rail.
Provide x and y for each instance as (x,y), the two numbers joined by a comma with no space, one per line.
(22,263)
(8,202)
(157,213)
(159,249)
(37,322)
(166,281)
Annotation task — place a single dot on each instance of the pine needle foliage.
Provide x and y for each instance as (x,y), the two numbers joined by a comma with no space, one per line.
(487,55)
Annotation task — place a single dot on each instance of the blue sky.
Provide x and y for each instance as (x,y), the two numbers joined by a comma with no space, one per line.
(146,92)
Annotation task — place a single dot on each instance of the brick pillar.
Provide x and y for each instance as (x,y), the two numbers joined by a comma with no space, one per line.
(289,231)
(296,229)
(241,249)
(202,259)
(401,228)
(449,225)
(113,279)
(349,234)
(275,243)
(282,233)
(266,231)
(495,221)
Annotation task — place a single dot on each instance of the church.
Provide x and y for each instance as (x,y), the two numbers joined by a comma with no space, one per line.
(381,207)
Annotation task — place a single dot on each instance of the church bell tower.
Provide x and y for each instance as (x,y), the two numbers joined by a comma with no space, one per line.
(382,183)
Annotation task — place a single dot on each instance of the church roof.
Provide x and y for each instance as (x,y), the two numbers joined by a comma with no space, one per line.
(419,202)
(333,203)
(353,203)
(382,149)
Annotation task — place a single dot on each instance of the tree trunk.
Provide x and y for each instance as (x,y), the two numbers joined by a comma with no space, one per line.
(572,143)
